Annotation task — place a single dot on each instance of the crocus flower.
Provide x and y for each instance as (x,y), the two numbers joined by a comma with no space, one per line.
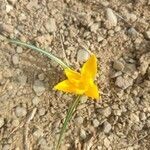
(83,82)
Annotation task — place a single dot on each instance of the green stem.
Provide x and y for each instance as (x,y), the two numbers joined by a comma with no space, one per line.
(49,55)
(67,119)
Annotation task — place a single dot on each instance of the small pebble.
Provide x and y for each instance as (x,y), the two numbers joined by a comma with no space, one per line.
(15,123)
(148,123)
(6,147)
(100,38)
(117,28)
(8,8)
(50,25)
(132,32)
(84,99)
(7,73)
(143,116)
(15,59)
(22,17)
(94,27)
(143,67)
(111,17)
(111,32)
(41,111)
(82,56)
(38,87)
(107,143)
(6,28)
(22,79)
(32,4)
(107,112)
(119,66)
(83,134)
(1,122)
(42,141)
(38,133)
(104,3)
(95,123)
(19,50)
(35,100)
(117,112)
(107,127)
(123,83)
(132,17)
(41,76)
(20,111)
(79,120)
(134,118)
(147,35)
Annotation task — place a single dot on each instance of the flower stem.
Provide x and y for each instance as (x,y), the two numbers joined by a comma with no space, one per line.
(67,119)
(49,55)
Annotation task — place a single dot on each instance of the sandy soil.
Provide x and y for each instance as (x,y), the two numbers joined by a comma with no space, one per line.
(32,113)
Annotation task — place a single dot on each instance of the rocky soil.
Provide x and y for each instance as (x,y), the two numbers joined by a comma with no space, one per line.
(32,113)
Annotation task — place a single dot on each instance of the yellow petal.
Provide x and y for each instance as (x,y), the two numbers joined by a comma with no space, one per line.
(92,91)
(89,68)
(72,75)
(65,86)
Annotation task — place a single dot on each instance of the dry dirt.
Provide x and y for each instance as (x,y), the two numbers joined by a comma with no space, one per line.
(32,113)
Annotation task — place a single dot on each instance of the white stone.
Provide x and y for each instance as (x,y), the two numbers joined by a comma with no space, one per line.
(107,112)
(41,111)
(6,147)
(15,59)
(82,56)
(20,111)
(38,133)
(147,34)
(83,134)
(111,17)
(39,87)
(143,116)
(19,50)
(95,123)
(107,127)
(134,118)
(123,82)
(84,98)
(100,38)
(35,100)
(8,8)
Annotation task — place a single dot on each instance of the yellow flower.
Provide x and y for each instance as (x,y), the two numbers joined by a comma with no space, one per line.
(83,82)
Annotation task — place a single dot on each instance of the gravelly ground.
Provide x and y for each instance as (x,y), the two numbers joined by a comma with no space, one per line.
(118,32)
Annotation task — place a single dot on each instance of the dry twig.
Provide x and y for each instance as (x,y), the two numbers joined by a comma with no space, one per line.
(26,130)
(62,45)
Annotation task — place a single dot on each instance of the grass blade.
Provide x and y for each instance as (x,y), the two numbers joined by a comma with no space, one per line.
(49,55)
(67,119)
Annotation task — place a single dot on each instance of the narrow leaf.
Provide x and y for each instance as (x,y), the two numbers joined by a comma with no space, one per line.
(49,55)
(67,119)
